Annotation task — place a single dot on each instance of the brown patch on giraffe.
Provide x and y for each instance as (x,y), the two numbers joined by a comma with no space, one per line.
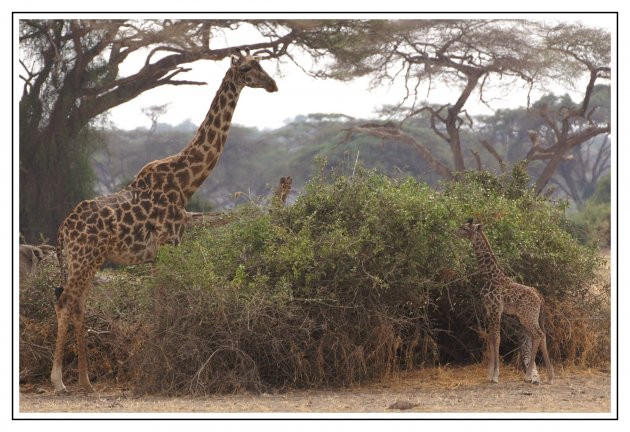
(196,169)
(195,156)
(128,219)
(183,177)
(139,213)
(146,205)
(210,135)
(124,230)
(174,197)
(197,182)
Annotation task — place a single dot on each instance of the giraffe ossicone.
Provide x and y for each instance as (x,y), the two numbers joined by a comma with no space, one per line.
(500,295)
(128,227)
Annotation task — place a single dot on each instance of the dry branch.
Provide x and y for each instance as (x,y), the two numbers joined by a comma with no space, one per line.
(389,131)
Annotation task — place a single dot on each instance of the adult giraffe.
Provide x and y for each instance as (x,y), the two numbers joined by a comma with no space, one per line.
(128,227)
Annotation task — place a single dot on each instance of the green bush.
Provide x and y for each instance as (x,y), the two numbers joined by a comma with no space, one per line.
(592,222)
(361,277)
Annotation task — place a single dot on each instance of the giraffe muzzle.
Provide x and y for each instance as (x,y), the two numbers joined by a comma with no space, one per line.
(271,86)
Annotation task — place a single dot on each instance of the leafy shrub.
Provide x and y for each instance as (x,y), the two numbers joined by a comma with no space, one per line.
(362,277)
(592,222)
(116,318)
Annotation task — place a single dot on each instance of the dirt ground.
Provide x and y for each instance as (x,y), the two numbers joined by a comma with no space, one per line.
(436,390)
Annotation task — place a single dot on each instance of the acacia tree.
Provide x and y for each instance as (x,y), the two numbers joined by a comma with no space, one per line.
(580,51)
(479,57)
(71,75)
(579,175)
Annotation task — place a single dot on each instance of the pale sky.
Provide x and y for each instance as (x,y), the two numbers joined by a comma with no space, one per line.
(298,93)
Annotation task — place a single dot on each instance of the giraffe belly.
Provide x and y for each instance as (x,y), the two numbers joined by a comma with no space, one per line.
(129,254)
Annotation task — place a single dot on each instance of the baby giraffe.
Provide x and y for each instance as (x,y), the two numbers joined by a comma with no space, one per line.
(502,295)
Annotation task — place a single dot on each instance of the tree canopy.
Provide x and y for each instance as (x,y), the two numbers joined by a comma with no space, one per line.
(71,72)
(477,56)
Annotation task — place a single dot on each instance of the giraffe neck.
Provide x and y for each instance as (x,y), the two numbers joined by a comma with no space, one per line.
(488,264)
(202,153)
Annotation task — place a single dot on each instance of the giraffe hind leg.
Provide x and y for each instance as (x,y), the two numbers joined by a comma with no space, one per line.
(79,328)
(532,361)
(70,306)
(526,355)
(63,319)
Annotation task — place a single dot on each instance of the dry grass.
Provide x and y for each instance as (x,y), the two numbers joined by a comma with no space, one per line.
(431,390)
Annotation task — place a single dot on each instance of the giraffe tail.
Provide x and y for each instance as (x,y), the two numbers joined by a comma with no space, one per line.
(543,343)
(541,316)
(62,269)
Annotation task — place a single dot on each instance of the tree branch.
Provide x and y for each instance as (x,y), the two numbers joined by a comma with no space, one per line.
(392,132)
(494,153)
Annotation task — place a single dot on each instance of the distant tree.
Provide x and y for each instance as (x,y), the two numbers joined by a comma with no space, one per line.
(154,112)
(512,132)
(477,57)
(578,176)
(579,50)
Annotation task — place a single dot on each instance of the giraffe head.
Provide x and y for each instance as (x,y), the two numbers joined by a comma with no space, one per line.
(283,189)
(469,229)
(285,183)
(249,73)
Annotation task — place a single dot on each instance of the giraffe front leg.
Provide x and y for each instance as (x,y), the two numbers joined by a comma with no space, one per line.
(490,353)
(493,350)
(495,337)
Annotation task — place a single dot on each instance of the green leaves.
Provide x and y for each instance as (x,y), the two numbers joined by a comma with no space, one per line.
(352,278)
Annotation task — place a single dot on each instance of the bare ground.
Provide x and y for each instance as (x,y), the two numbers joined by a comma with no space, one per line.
(433,390)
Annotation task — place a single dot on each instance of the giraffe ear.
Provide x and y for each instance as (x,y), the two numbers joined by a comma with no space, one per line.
(235,60)
(478,227)
(469,221)
(282,180)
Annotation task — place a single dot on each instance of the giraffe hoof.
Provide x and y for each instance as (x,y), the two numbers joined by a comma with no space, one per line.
(87,388)
(60,391)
